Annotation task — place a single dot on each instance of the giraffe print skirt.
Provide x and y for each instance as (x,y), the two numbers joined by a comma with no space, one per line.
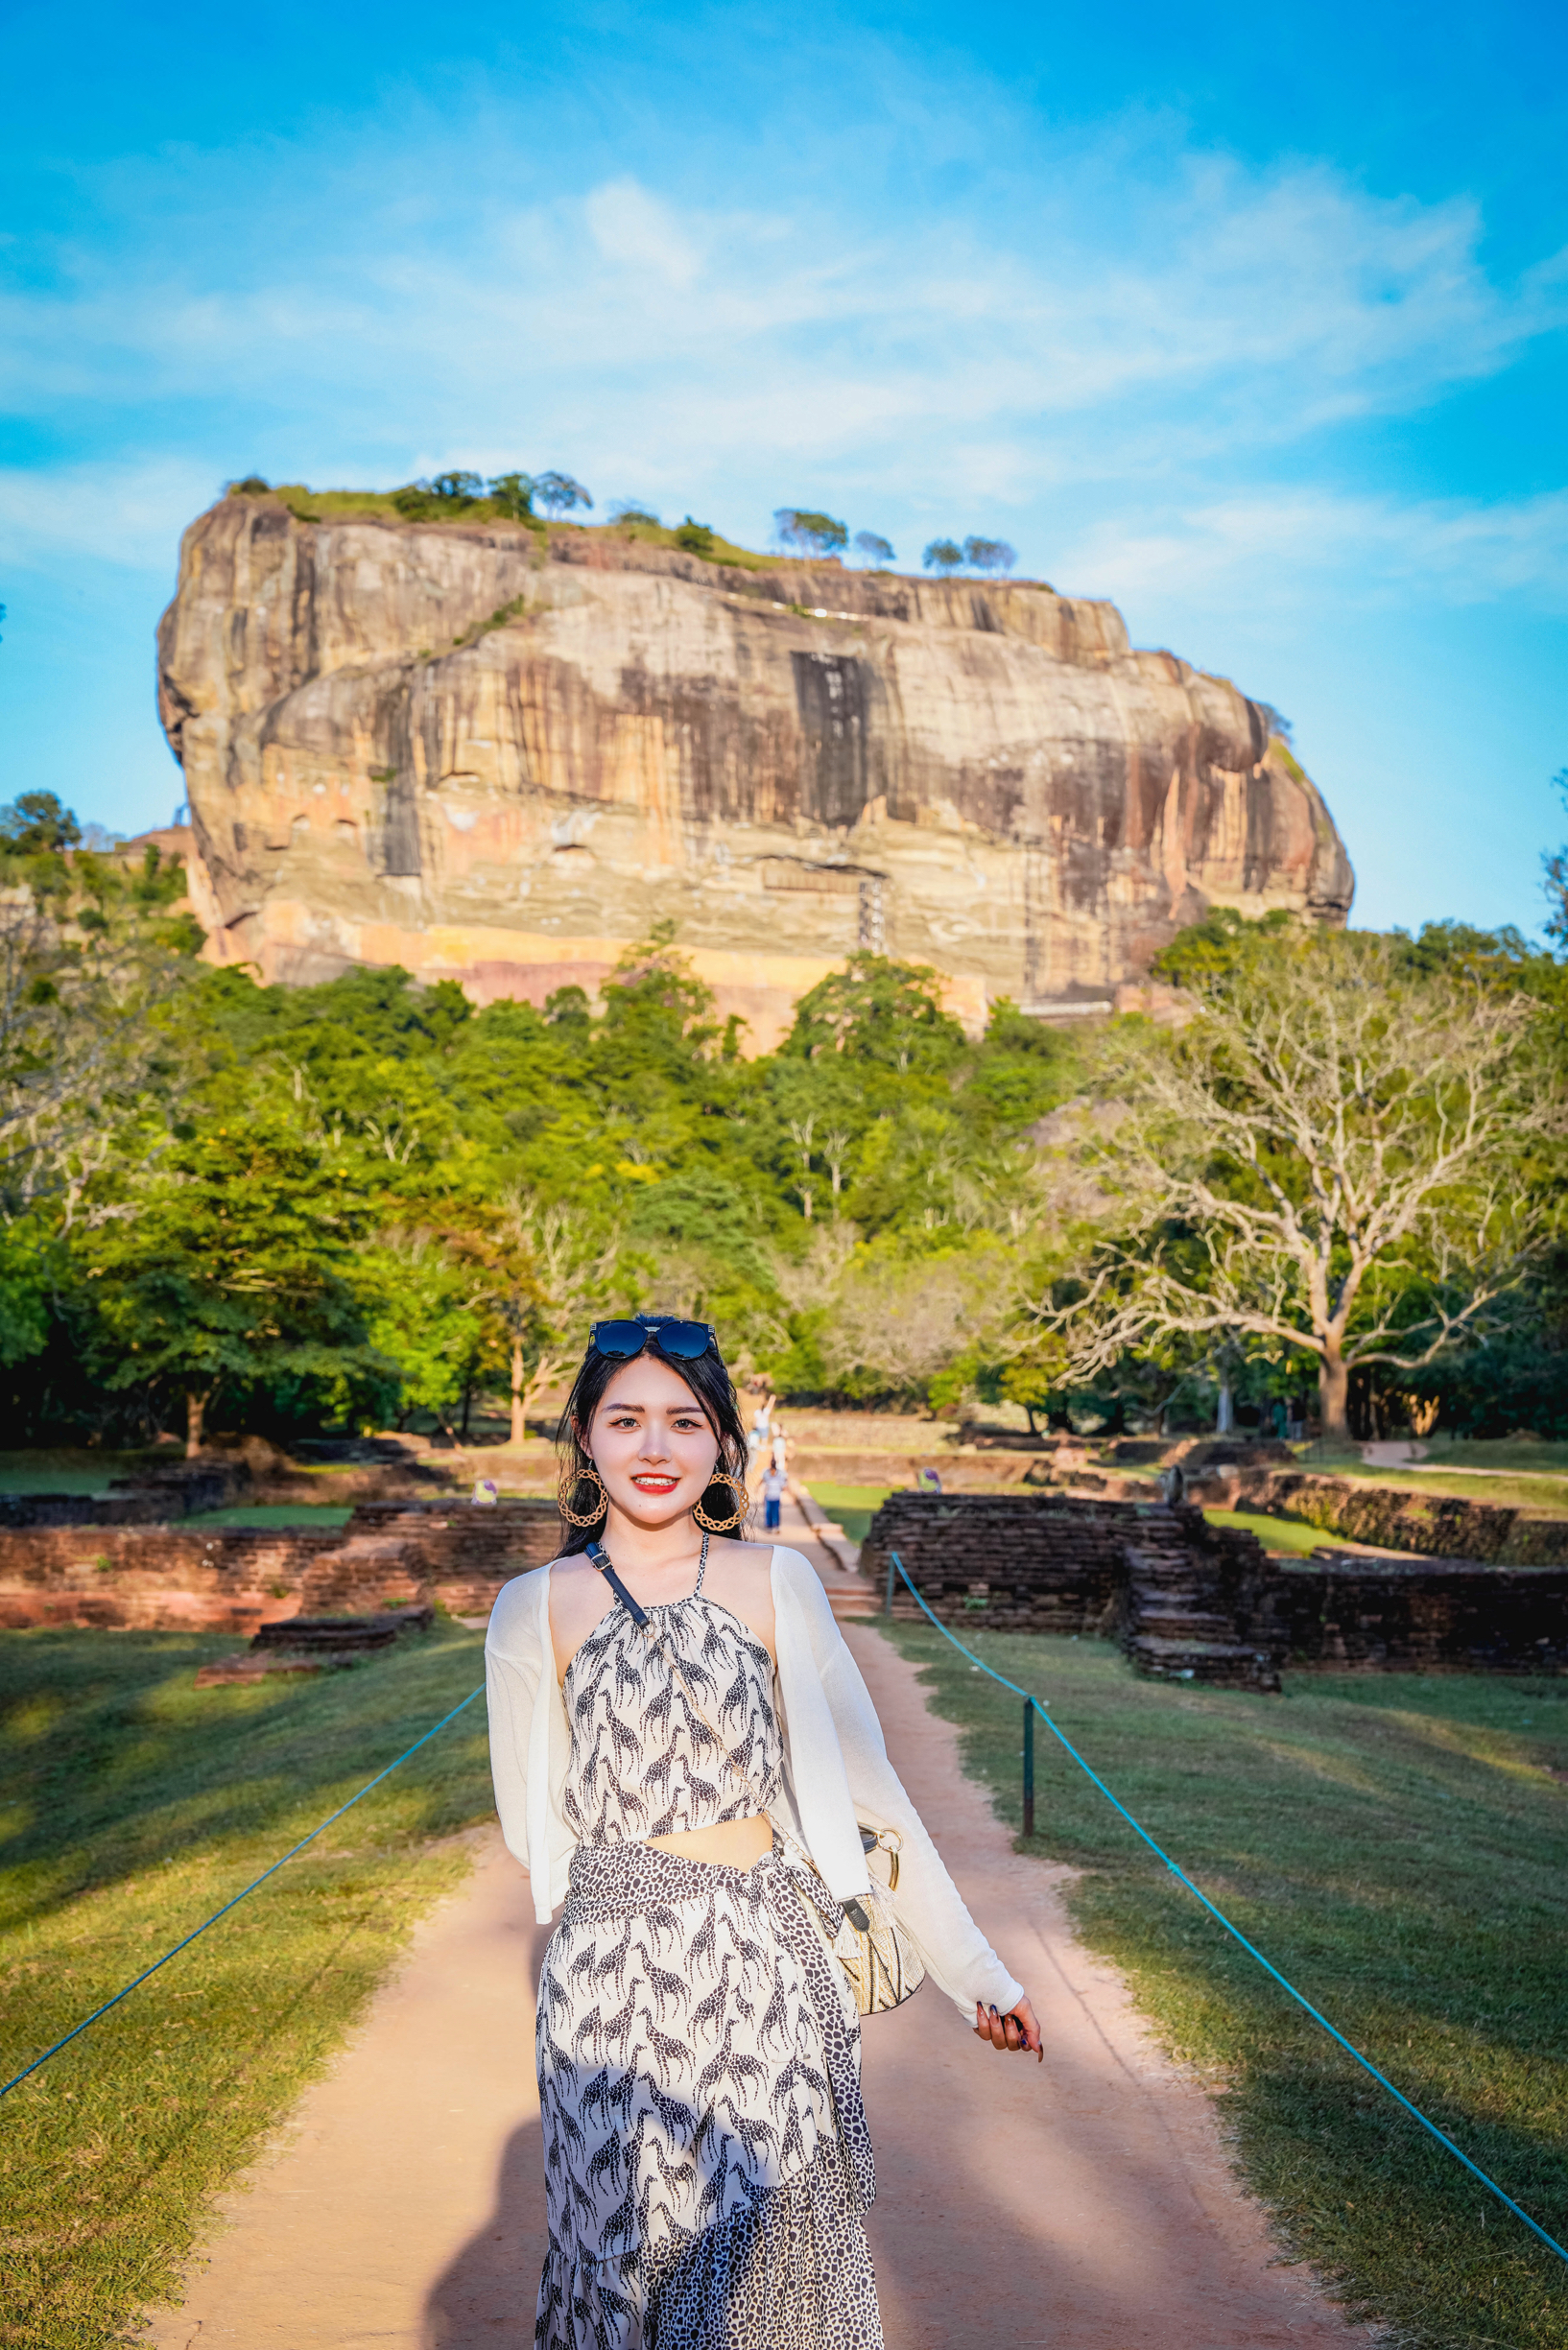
(706,2157)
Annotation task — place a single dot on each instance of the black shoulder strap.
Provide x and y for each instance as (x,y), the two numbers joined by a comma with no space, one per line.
(601,1559)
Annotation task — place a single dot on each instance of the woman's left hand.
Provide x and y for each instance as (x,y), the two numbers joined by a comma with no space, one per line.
(1016,2033)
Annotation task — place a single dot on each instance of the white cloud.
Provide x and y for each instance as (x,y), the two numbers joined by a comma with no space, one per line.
(1156,348)
(633,231)
(1280,547)
(1217,308)
(128,515)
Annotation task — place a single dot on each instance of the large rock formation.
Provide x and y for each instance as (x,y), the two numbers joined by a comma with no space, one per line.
(497,755)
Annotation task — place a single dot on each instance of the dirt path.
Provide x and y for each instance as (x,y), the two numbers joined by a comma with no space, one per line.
(1084,2204)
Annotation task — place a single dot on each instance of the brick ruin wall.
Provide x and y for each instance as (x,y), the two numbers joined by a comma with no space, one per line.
(1053,1563)
(1012,1561)
(233,1578)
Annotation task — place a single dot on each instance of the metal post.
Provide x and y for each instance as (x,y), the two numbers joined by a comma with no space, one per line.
(1029,1766)
(893,1569)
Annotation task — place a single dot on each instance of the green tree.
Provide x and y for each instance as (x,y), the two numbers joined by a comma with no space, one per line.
(230,1269)
(421,1315)
(447,494)
(539,1273)
(874,549)
(878,1011)
(91,960)
(808,533)
(37,825)
(559,494)
(988,555)
(513,494)
(944,555)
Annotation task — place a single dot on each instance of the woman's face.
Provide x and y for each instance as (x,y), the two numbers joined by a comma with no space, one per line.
(652,1443)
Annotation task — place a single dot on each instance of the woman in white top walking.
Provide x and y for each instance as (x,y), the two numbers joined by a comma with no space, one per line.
(684,1749)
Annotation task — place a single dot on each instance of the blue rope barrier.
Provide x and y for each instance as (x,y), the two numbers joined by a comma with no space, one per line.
(1235,1931)
(239,1897)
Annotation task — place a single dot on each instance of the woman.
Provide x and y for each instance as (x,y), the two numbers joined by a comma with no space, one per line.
(684,1749)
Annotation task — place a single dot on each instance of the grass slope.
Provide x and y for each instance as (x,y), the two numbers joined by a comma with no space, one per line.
(1398,1846)
(134,1805)
(1292,1534)
(851,1506)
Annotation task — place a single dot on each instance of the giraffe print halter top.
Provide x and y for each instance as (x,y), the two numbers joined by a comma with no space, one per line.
(647,1707)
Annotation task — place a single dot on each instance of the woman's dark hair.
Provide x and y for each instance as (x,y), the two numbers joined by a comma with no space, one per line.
(708,1381)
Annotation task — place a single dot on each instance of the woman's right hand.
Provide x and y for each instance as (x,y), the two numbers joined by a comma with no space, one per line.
(1016,2033)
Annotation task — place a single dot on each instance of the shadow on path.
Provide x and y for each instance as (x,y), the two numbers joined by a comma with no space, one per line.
(488,2293)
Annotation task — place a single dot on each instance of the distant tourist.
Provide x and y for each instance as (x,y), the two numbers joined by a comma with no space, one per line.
(782,1446)
(773,1498)
(762,1420)
(684,1752)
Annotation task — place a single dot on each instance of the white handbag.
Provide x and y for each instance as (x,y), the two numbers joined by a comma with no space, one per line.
(883,1965)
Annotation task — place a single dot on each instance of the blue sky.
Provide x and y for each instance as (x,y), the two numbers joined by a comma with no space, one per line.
(1253,321)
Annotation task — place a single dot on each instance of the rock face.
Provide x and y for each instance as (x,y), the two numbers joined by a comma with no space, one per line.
(498,756)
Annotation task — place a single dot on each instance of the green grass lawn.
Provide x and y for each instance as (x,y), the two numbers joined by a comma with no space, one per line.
(70,1469)
(1517,1453)
(1530,1477)
(852,1506)
(1541,1496)
(1274,1533)
(1398,1847)
(131,1806)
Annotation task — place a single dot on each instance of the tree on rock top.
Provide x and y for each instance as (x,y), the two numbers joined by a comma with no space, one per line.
(808,533)
(513,494)
(560,494)
(944,555)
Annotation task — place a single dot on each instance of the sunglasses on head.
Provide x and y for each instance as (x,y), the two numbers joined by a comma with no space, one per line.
(623,1339)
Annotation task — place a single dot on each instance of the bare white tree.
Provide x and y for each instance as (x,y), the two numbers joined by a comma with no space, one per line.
(80,1043)
(899,1322)
(807,1188)
(1331,1158)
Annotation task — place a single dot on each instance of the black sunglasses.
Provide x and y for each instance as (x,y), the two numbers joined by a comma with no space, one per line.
(623,1339)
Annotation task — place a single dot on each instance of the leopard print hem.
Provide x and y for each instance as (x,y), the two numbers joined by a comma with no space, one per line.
(707,2156)
(790,2271)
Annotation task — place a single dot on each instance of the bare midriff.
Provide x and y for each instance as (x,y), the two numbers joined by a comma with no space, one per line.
(729,1843)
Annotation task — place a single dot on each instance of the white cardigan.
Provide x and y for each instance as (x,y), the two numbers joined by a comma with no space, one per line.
(836,1772)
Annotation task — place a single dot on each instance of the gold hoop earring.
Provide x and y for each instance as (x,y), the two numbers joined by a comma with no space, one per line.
(743,1503)
(566,1495)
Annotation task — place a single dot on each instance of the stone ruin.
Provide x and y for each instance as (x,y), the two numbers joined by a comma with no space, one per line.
(1189,1601)
(1185,1599)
